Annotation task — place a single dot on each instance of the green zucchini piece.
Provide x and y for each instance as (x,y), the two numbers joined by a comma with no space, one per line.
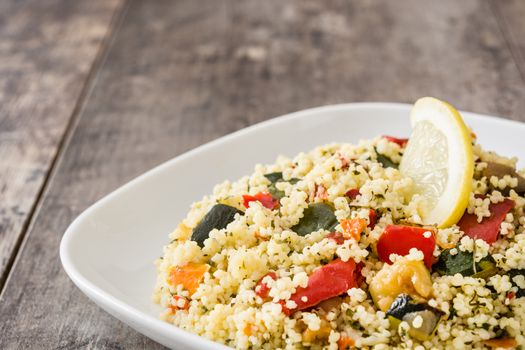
(385,161)
(274,178)
(402,305)
(219,216)
(513,273)
(316,217)
(463,263)
(430,320)
(405,309)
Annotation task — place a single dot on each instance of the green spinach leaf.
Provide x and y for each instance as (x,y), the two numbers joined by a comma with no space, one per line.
(385,161)
(317,216)
(463,263)
(219,216)
(274,178)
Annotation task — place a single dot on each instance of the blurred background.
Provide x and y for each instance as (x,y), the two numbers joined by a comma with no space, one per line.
(93,93)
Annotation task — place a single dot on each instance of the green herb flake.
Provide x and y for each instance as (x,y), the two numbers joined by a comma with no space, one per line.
(385,161)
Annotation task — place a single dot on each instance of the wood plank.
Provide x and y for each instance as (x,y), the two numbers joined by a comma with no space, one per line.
(47,50)
(511,16)
(181,73)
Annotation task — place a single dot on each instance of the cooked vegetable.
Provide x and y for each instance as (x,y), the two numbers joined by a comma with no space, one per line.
(353,227)
(337,237)
(385,161)
(326,282)
(345,343)
(463,263)
(404,276)
(500,170)
(320,192)
(189,276)
(422,318)
(372,218)
(219,216)
(316,217)
(505,343)
(261,288)
(320,334)
(249,329)
(265,198)
(400,142)
(399,239)
(330,304)
(402,305)
(486,268)
(274,178)
(353,193)
(514,274)
(488,228)
(179,303)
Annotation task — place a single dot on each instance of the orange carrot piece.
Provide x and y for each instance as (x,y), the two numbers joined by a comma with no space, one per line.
(189,276)
(249,329)
(175,306)
(506,343)
(353,227)
(345,343)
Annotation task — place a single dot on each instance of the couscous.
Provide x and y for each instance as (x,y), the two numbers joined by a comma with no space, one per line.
(328,250)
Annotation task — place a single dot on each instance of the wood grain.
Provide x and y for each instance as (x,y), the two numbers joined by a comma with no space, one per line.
(47,49)
(511,16)
(181,73)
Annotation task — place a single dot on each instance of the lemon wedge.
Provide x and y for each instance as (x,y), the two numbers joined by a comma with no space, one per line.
(439,158)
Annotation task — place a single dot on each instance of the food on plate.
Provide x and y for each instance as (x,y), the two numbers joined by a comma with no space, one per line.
(404,243)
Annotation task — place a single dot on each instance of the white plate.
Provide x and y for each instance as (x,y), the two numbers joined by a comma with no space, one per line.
(108,251)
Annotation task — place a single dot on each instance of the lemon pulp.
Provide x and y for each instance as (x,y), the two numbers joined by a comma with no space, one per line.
(439,158)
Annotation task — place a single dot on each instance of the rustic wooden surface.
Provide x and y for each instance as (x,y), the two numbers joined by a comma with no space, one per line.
(47,49)
(179,73)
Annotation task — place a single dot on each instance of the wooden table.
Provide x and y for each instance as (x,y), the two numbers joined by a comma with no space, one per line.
(93,93)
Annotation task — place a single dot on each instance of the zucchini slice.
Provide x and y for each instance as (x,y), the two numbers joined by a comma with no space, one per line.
(422,318)
(219,216)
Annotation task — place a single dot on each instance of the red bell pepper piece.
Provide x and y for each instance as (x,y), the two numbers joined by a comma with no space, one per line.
(398,239)
(326,282)
(265,198)
(400,142)
(344,161)
(261,288)
(353,193)
(320,192)
(488,228)
(336,236)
